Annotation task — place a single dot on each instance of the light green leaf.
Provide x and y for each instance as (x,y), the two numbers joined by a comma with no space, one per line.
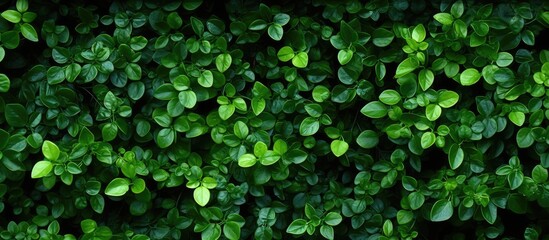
(29,32)
(50,150)
(117,187)
(374,109)
(339,147)
(300,60)
(447,98)
(455,156)
(426,79)
(344,56)
(433,112)
(41,169)
(389,97)
(247,160)
(226,111)
(285,54)
(223,62)
(469,77)
(309,126)
(407,66)
(206,79)
(517,118)
(427,139)
(201,195)
(12,16)
(418,34)
(444,18)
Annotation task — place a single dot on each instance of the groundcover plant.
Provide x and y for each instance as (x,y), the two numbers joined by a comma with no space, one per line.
(192,119)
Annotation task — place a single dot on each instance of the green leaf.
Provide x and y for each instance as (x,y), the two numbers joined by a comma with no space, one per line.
(347,33)
(441,211)
(418,34)
(416,200)
(339,147)
(258,105)
(72,71)
(281,18)
(165,137)
(285,54)
(298,226)
(374,109)
(223,62)
(206,79)
(257,25)
(309,126)
(524,138)
(197,26)
(55,75)
(327,231)
(444,18)
(504,59)
(50,150)
(16,115)
(275,31)
(321,93)
(427,139)
(117,187)
(247,160)
(333,218)
(490,213)
(517,118)
(300,60)
(226,111)
(404,217)
(382,37)
(191,5)
(187,98)
(344,56)
(296,156)
(4,82)
(12,16)
(389,97)
(367,139)
(2,53)
(41,169)
(426,79)
(201,195)
(433,112)
(539,174)
(28,32)
(231,230)
(469,77)
(133,71)
(241,130)
(447,98)
(407,66)
(88,225)
(10,39)
(515,179)
(269,158)
(109,132)
(455,156)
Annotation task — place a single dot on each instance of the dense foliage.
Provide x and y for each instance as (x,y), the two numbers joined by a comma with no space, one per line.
(384,119)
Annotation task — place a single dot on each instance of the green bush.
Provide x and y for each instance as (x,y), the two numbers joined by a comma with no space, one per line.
(384,119)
